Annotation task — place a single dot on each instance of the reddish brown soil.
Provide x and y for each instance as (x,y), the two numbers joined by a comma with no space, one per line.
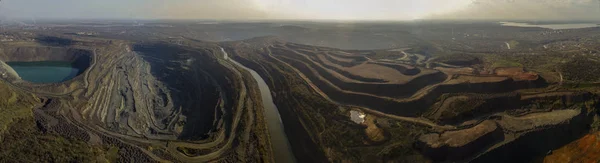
(464,70)
(517,73)
(462,137)
(374,133)
(586,149)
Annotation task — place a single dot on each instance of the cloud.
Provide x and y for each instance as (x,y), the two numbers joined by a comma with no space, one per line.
(304,9)
(229,9)
(195,9)
(176,9)
(527,10)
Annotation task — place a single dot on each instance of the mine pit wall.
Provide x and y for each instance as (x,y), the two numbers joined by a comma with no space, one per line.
(450,153)
(507,85)
(401,68)
(303,147)
(388,90)
(346,74)
(358,58)
(494,103)
(567,100)
(226,83)
(436,64)
(80,58)
(7,72)
(539,142)
(350,75)
(196,94)
(344,64)
(408,108)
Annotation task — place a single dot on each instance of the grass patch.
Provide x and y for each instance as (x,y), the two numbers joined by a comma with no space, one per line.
(581,70)
(112,154)
(505,63)
(385,54)
(14,105)
(461,108)
(22,142)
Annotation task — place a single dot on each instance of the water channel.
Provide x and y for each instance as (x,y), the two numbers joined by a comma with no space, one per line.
(281,146)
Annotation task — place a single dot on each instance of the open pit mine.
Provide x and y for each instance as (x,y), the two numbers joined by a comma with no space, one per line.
(265,99)
(150,101)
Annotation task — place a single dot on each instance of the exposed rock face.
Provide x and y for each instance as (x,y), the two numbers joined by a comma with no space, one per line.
(472,128)
(80,57)
(504,135)
(8,73)
(457,108)
(159,92)
(460,144)
(134,102)
(537,120)
(538,134)
(137,97)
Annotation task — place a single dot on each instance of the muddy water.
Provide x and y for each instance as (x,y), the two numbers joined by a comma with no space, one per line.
(281,146)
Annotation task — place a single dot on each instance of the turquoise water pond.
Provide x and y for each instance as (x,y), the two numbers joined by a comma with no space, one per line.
(45,71)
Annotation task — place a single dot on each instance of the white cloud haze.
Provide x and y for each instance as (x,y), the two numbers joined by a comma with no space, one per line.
(302,9)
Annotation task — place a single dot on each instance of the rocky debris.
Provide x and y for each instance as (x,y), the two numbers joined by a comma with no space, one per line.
(8,73)
(459,144)
(500,134)
(142,101)
(536,120)
(517,73)
(537,134)
(375,133)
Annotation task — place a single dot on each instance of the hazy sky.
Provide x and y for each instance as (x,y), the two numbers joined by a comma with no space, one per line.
(302,9)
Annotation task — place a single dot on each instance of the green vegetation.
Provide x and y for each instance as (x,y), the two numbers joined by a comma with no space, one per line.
(112,154)
(331,128)
(505,63)
(546,64)
(24,143)
(513,44)
(385,54)
(426,49)
(13,106)
(581,85)
(458,59)
(400,144)
(461,108)
(581,70)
